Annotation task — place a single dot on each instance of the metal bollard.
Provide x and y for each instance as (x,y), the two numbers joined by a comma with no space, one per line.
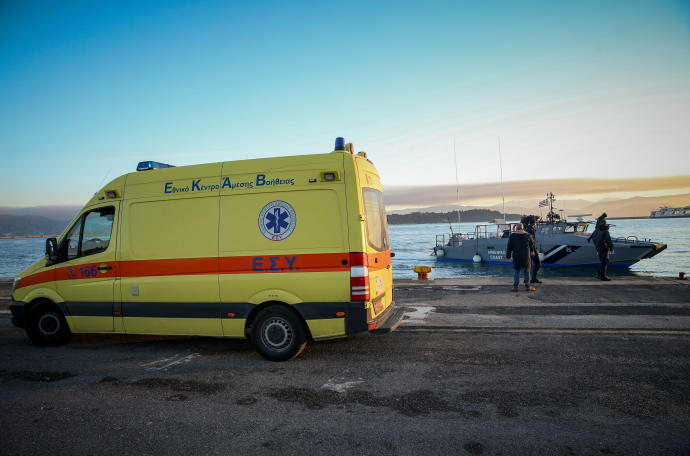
(422,272)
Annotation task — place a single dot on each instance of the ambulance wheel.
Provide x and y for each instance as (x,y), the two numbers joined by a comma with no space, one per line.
(278,334)
(45,325)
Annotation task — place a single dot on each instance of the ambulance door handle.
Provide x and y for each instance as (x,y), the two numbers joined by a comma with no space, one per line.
(105,268)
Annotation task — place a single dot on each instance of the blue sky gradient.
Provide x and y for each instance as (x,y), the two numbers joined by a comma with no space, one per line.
(574,89)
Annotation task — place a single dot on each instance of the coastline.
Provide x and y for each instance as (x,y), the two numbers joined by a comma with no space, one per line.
(30,236)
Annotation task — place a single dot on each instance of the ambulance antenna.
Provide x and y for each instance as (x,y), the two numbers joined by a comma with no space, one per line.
(106,175)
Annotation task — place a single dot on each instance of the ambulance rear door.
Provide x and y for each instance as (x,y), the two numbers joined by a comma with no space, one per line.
(377,246)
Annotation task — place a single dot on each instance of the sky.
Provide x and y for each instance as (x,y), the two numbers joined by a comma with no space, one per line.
(581,89)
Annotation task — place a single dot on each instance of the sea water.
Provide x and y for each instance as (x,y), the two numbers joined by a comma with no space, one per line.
(413,246)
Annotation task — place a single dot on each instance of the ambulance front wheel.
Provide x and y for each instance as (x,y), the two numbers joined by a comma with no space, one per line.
(278,334)
(46,325)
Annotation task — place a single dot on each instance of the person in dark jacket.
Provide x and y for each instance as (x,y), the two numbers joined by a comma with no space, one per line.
(520,249)
(603,244)
(531,228)
(601,219)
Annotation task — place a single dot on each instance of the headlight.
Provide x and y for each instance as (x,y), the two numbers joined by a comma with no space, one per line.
(15,284)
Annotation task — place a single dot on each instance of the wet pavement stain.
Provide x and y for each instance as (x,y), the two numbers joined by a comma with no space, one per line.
(246,401)
(32,376)
(613,294)
(415,403)
(507,402)
(474,448)
(189,386)
(567,310)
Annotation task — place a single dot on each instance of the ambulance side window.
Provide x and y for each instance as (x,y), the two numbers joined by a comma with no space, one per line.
(97,227)
(90,234)
(71,248)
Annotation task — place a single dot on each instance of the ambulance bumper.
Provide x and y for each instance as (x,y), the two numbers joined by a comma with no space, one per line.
(358,319)
(17,311)
(388,321)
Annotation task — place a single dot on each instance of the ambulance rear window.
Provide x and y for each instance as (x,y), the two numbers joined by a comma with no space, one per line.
(377,225)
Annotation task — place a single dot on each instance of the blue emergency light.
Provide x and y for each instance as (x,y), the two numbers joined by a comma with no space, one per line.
(146,165)
(339,143)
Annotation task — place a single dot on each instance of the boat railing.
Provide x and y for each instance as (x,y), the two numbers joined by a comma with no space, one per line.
(454,240)
(630,240)
(491,231)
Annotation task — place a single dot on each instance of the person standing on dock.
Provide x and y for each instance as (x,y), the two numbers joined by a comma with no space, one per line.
(520,249)
(603,244)
(531,228)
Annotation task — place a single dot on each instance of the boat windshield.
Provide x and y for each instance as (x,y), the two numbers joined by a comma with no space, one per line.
(563,228)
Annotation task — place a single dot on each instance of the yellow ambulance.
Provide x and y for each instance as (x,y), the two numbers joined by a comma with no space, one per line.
(281,250)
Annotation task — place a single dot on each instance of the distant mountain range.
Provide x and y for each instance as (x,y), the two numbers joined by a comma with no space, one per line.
(65,212)
(29,225)
(638,206)
(472,215)
(35,221)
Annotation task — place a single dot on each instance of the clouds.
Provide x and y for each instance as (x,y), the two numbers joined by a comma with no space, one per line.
(398,196)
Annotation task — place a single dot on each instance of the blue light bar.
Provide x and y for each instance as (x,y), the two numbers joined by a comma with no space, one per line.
(339,143)
(146,165)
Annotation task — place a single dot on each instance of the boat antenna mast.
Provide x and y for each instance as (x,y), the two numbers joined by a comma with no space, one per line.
(551,216)
(457,185)
(500,165)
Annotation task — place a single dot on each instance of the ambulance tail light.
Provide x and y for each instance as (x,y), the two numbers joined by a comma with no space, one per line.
(359,277)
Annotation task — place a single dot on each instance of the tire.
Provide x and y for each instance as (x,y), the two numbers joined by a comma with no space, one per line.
(278,334)
(46,325)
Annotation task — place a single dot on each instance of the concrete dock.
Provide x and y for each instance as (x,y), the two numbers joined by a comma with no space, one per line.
(578,367)
(488,304)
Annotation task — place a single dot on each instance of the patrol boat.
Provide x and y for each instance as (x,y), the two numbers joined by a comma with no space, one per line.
(561,243)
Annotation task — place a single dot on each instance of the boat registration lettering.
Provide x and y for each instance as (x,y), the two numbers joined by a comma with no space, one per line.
(497,254)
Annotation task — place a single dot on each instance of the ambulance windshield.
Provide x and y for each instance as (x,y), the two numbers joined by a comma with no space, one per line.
(377,225)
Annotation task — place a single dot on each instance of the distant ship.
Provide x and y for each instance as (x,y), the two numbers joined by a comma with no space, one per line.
(560,243)
(668,212)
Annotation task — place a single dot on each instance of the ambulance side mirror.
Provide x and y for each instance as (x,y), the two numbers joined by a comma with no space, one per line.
(51,250)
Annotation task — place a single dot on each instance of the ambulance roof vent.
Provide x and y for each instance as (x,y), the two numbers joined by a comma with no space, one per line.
(146,165)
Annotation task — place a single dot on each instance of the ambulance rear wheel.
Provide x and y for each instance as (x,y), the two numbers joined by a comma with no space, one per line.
(278,334)
(46,325)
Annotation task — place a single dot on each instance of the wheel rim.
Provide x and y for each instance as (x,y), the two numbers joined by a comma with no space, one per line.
(49,323)
(277,334)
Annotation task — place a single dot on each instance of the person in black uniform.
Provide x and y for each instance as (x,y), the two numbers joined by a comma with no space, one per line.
(531,228)
(520,249)
(604,245)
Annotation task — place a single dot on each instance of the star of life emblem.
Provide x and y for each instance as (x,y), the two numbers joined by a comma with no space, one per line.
(277,220)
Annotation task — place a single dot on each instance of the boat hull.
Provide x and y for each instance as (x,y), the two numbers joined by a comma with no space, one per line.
(557,251)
